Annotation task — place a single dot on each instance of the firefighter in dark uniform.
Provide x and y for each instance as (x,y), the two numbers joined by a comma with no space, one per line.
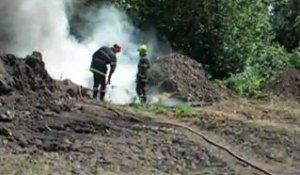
(101,58)
(142,74)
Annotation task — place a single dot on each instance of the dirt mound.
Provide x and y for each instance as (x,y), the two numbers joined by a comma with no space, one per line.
(286,84)
(24,75)
(182,77)
(29,75)
(26,88)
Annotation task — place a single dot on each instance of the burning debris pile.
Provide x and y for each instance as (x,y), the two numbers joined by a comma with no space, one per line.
(182,78)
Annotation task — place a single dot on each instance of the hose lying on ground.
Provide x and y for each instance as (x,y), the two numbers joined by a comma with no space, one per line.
(182,126)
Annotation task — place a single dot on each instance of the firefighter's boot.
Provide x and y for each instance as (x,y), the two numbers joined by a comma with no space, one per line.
(95,93)
(102,95)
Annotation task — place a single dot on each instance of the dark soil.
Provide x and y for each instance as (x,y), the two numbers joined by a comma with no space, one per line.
(184,78)
(41,117)
(285,84)
(275,144)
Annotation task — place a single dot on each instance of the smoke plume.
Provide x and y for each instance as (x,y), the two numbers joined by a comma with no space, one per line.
(28,25)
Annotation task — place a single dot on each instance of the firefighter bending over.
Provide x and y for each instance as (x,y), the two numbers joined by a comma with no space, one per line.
(142,74)
(101,58)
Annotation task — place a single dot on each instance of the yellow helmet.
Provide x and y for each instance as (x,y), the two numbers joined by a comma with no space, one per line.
(142,48)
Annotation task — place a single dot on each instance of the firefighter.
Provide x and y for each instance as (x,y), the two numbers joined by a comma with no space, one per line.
(101,58)
(142,74)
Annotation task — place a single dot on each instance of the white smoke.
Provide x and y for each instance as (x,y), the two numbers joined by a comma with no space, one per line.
(28,25)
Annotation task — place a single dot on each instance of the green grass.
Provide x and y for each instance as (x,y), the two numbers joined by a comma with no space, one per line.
(158,108)
(183,109)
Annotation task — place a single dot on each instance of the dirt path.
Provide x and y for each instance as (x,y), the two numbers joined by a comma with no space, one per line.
(95,140)
(272,143)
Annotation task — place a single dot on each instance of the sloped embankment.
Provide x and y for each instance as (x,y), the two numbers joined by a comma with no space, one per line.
(286,85)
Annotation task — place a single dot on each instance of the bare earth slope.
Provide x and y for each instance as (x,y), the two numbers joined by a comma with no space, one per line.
(285,85)
(45,130)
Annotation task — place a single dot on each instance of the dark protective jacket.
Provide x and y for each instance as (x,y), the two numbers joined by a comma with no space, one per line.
(143,67)
(103,57)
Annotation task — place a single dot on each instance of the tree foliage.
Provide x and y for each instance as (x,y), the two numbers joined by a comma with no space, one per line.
(221,35)
(241,42)
(286,23)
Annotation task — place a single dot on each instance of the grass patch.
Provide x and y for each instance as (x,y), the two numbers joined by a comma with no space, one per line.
(180,109)
(158,108)
(183,109)
(286,128)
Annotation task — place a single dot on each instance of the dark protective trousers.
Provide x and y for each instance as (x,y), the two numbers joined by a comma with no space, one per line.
(141,90)
(99,80)
(99,73)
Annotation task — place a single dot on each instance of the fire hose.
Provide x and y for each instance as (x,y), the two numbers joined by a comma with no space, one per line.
(182,126)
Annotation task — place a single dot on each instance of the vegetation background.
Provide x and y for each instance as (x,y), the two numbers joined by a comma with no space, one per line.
(242,44)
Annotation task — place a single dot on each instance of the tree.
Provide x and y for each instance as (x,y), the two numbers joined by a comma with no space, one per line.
(221,35)
(286,23)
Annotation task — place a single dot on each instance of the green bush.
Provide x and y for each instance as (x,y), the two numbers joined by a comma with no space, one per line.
(247,83)
(286,23)
(295,59)
(219,34)
(259,70)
